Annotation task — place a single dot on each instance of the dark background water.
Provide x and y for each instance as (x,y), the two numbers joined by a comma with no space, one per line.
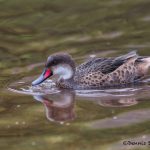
(32,30)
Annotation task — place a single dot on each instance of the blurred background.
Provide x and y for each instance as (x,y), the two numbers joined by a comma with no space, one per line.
(31,30)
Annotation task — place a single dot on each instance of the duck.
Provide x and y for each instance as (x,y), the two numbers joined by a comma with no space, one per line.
(95,73)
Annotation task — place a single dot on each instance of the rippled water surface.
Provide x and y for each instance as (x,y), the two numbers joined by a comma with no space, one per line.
(44,117)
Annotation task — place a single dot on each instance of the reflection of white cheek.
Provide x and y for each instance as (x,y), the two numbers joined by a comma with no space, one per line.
(66,101)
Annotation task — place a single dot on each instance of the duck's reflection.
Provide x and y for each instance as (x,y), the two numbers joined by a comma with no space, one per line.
(119,102)
(60,107)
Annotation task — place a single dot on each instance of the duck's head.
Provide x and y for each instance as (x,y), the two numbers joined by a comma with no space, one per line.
(60,64)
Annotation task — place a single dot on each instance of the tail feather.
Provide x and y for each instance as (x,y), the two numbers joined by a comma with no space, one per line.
(143,65)
(146,61)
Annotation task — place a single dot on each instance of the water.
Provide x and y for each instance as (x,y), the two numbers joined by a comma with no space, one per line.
(45,117)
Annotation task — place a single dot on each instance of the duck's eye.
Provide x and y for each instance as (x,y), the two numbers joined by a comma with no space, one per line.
(54,62)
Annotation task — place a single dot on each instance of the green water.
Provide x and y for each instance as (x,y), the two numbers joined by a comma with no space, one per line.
(32,30)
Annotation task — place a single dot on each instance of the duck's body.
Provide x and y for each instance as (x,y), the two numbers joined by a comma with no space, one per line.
(98,72)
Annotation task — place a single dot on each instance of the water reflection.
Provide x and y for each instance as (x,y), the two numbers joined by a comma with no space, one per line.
(58,107)
(120,102)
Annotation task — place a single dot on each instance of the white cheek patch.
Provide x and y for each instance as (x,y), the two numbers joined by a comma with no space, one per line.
(64,71)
